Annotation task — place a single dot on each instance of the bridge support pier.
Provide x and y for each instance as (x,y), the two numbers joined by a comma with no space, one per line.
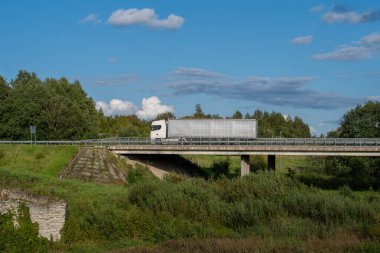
(271,162)
(244,165)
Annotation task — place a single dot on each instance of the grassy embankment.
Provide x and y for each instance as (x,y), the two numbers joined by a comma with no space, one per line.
(263,212)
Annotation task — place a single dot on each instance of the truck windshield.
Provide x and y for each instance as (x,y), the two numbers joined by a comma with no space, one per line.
(156,127)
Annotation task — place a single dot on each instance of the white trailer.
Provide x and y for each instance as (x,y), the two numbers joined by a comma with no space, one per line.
(176,129)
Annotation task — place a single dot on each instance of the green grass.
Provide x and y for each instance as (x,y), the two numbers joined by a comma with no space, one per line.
(280,213)
(46,160)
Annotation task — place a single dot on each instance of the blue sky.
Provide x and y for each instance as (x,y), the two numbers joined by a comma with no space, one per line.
(314,59)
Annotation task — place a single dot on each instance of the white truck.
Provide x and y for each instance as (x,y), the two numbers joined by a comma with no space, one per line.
(184,129)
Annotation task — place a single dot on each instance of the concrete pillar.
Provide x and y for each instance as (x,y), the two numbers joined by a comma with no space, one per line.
(244,165)
(271,162)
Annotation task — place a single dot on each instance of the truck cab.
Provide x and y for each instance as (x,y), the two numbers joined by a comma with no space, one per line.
(158,130)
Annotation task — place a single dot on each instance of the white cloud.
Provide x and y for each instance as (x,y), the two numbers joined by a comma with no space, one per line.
(341,14)
(367,47)
(116,107)
(303,40)
(92,18)
(281,91)
(313,130)
(151,107)
(345,54)
(371,40)
(317,8)
(196,72)
(146,17)
(341,17)
(374,98)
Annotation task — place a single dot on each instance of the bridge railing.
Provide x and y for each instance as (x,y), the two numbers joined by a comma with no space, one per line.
(214,141)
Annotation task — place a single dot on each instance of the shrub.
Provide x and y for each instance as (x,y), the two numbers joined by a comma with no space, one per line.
(137,174)
(345,191)
(220,169)
(23,237)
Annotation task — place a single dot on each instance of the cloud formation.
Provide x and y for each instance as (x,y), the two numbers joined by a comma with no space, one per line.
(116,107)
(341,14)
(345,54)
(196,72)
(367,47)
(282,91)
(145,17)
(302,40)
(92,18)
(149,109)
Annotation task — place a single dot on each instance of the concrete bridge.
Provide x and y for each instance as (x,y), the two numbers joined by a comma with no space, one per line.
(245,148)
(241,147)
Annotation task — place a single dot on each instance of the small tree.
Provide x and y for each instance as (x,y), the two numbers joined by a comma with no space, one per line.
(198,112)
(237,115)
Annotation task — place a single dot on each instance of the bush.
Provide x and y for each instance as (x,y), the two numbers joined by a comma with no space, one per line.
(345,191)
(137,174)
(221,169)
(23,237)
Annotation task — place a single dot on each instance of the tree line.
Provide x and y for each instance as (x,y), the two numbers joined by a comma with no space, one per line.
(62,110)
(363,121)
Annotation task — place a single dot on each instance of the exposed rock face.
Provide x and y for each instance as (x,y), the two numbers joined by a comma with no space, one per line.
(50,215)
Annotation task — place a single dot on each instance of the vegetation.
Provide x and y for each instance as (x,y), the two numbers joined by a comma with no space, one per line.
(62,110)
(360,173)
(255,211)
(263,212)
(22,237)
(278,125)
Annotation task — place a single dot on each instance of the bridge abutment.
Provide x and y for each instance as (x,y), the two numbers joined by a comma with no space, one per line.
(271,162)
(244,165)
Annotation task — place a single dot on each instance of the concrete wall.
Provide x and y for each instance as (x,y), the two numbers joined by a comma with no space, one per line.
(50,215)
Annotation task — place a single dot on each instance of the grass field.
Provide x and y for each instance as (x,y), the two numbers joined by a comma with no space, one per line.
(267,212)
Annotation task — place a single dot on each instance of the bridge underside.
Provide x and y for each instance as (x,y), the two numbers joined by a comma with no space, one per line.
(246,151)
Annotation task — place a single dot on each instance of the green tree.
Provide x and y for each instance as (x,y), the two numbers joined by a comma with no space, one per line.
(198,112)
(165,115)
(237,115)
(359,172)
(275,124)
(361,122)
(60,109)
(4,88)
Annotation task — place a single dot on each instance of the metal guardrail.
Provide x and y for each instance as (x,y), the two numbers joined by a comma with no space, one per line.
(372,142)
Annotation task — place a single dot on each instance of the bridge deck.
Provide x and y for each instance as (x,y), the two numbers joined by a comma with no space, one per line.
(248,150)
